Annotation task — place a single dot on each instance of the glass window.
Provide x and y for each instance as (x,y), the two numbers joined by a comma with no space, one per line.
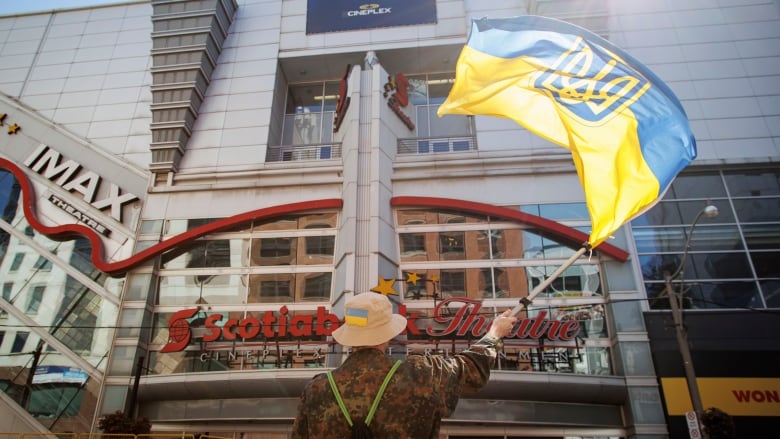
(7,288)
(179,226)
(427,93)
(452,245)
(718,272)
(79,318)
(765,263)
(19,341)
(283,223)
(151,227)
(771,290)
(17,262)
(206,254)
(34,299)
(212,289)
(42,264)
(309,113)
(753,183)
(412,246)
(274,251)
(316,286)
(280,260)
(697,185)
(758,210)
(130,323)
(319,249)
(575,281)
(452,283)
(564,211)
(138,287)
(276,287)
(54,400)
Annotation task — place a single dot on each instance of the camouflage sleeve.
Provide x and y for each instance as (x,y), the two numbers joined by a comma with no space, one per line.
(465,372)
(481,355)
(300,427)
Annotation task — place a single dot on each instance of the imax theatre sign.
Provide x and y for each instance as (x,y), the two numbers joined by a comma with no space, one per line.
(74,178)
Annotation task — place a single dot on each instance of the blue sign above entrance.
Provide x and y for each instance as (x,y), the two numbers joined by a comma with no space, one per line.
(341,15)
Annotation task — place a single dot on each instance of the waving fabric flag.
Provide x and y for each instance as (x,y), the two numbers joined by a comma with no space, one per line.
(628,134)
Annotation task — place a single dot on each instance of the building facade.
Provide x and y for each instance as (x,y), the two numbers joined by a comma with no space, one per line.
(191,189)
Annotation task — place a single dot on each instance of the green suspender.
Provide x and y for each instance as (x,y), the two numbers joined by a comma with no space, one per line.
(376,400)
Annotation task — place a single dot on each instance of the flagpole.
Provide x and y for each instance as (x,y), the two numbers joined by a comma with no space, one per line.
(525,301)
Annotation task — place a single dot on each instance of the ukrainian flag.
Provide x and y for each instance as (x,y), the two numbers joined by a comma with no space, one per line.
(627,131)
(356,317)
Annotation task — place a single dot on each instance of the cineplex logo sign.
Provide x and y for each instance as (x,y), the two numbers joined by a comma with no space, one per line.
(457,316)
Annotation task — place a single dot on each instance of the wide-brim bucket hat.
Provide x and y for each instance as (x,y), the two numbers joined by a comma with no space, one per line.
(369,321)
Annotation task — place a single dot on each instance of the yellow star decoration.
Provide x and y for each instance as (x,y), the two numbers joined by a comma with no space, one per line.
(385,287)
(413,278)
(13,129)
(2,118)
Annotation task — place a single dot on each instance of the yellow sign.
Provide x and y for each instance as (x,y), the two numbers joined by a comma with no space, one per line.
(735,396)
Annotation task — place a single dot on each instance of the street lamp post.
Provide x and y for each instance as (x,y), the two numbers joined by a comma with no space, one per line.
(709,211)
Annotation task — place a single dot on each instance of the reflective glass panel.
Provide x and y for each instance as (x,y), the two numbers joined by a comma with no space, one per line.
(564,211)
(766,263)
(575,281)
(753,183)
(202,289)
(274,251)
(413,246)
(692,185)
(316,286)
(762,236)
(206,254)
(771,290)
(755,210)
(276,287)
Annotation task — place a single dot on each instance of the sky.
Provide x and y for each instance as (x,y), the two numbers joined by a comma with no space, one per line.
(21,6)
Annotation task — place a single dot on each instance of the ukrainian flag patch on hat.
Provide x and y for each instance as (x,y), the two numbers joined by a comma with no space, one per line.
(356,317)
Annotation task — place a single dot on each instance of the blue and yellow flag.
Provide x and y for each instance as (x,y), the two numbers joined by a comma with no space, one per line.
(356,317)
(628,134)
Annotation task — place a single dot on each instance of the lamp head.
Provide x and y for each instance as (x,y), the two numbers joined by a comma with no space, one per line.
(710,211)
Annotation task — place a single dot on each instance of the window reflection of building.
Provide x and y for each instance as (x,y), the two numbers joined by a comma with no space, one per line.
(451,245)
(276,251)
(17,262)
(427,92)
(310,109)
(52,296)
(34,299)
(486,263)
(271,288)
(461,255)
(317,286)
(452,283)
(729,261)
(271,263)
(305,127)
(412,244)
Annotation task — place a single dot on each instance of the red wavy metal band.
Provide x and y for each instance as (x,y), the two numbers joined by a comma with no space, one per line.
(66,231)
(120,267)
(564,233)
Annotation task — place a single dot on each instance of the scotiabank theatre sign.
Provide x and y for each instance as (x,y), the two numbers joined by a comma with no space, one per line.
(453,318)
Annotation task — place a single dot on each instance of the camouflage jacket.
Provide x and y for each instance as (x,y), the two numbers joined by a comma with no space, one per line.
(423,390)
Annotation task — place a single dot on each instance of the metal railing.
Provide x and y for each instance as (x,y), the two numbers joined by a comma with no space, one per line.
(319,151)
(435,145)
